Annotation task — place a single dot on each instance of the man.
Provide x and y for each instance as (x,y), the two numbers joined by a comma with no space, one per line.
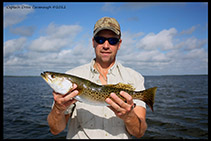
(121,119)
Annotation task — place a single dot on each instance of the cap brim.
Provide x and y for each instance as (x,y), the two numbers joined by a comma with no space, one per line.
(103,28)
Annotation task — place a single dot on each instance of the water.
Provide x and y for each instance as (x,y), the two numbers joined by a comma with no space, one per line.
(180,109)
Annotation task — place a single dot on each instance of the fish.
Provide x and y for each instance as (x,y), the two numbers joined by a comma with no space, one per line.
(92,93)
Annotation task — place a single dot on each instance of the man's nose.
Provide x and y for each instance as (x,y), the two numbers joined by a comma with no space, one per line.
(106,45)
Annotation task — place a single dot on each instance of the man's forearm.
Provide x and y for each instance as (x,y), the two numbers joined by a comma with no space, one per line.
(135,126)
(56,120)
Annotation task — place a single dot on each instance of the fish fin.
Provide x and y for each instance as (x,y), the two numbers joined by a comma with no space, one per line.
(149,96)
(121,85)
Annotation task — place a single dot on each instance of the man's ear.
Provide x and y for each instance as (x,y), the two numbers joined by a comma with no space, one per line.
(93,42)
(119,44)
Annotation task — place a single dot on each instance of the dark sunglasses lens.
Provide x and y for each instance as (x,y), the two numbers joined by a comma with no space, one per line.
(113,41)
(100,40)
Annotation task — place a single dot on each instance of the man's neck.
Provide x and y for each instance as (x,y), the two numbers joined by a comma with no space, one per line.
(105,66)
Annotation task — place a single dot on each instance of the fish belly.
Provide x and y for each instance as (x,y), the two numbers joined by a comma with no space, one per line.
(90,101)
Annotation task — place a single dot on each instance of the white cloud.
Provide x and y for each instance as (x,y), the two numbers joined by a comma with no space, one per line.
(63,31)
(109,7)
(47,53)
(164,53)
(137,5)
(162,40)
(57,37)
(198,53)
(14,14)
(23,30)
(58,51)
(126,6)
(47,44)
(191,43)
(14,45)
(192,62)
(190,30)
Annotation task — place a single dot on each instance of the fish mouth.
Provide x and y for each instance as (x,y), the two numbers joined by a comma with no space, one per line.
(44,76)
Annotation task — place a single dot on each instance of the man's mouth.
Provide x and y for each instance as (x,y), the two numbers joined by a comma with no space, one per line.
(103,52)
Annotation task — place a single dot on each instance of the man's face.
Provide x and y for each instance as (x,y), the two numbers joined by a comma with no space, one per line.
(106,53)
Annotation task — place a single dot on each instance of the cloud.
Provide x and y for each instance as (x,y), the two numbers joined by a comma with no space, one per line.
(109,7)
(164,53)
(45,43)
(57,50)
(23,30)
(191,43)
(136,5)
(149,54)
(63,31)
(192,62)
(162,40)
(190,30)
(14,46)
(198,53)
(14,14)
(128,6)
(134,18)
(56,38)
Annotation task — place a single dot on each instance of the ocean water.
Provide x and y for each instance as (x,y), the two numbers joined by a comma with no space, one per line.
(180,109)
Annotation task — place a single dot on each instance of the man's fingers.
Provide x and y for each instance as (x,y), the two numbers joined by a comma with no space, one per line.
(71,95)
(114,105)
(74,86)
(70,102)
(118,104)
(128,97)
(119,101)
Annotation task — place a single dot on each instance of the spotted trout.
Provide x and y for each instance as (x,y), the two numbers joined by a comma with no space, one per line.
(92,93)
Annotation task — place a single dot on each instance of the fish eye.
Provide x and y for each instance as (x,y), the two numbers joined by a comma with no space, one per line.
(53,76)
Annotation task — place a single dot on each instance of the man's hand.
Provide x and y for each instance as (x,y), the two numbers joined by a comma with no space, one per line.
(62,102)
(57,120)
(122,109)
(134,118)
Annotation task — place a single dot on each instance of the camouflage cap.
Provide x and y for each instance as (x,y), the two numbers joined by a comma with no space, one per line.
(107,23)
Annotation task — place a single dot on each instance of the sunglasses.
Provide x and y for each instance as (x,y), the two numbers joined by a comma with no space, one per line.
(101,40)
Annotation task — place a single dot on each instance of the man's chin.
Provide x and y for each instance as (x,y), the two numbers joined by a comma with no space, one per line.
(106,59)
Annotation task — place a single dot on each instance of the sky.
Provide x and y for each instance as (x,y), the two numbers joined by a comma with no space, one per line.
(157,38)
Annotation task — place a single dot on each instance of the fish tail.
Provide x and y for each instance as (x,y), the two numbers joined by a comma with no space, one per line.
(149,96)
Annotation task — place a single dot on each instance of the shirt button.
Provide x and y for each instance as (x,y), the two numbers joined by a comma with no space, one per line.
(105,115)
(106,134)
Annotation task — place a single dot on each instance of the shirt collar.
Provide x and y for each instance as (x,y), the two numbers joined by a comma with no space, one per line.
(110,71)
(92,66)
